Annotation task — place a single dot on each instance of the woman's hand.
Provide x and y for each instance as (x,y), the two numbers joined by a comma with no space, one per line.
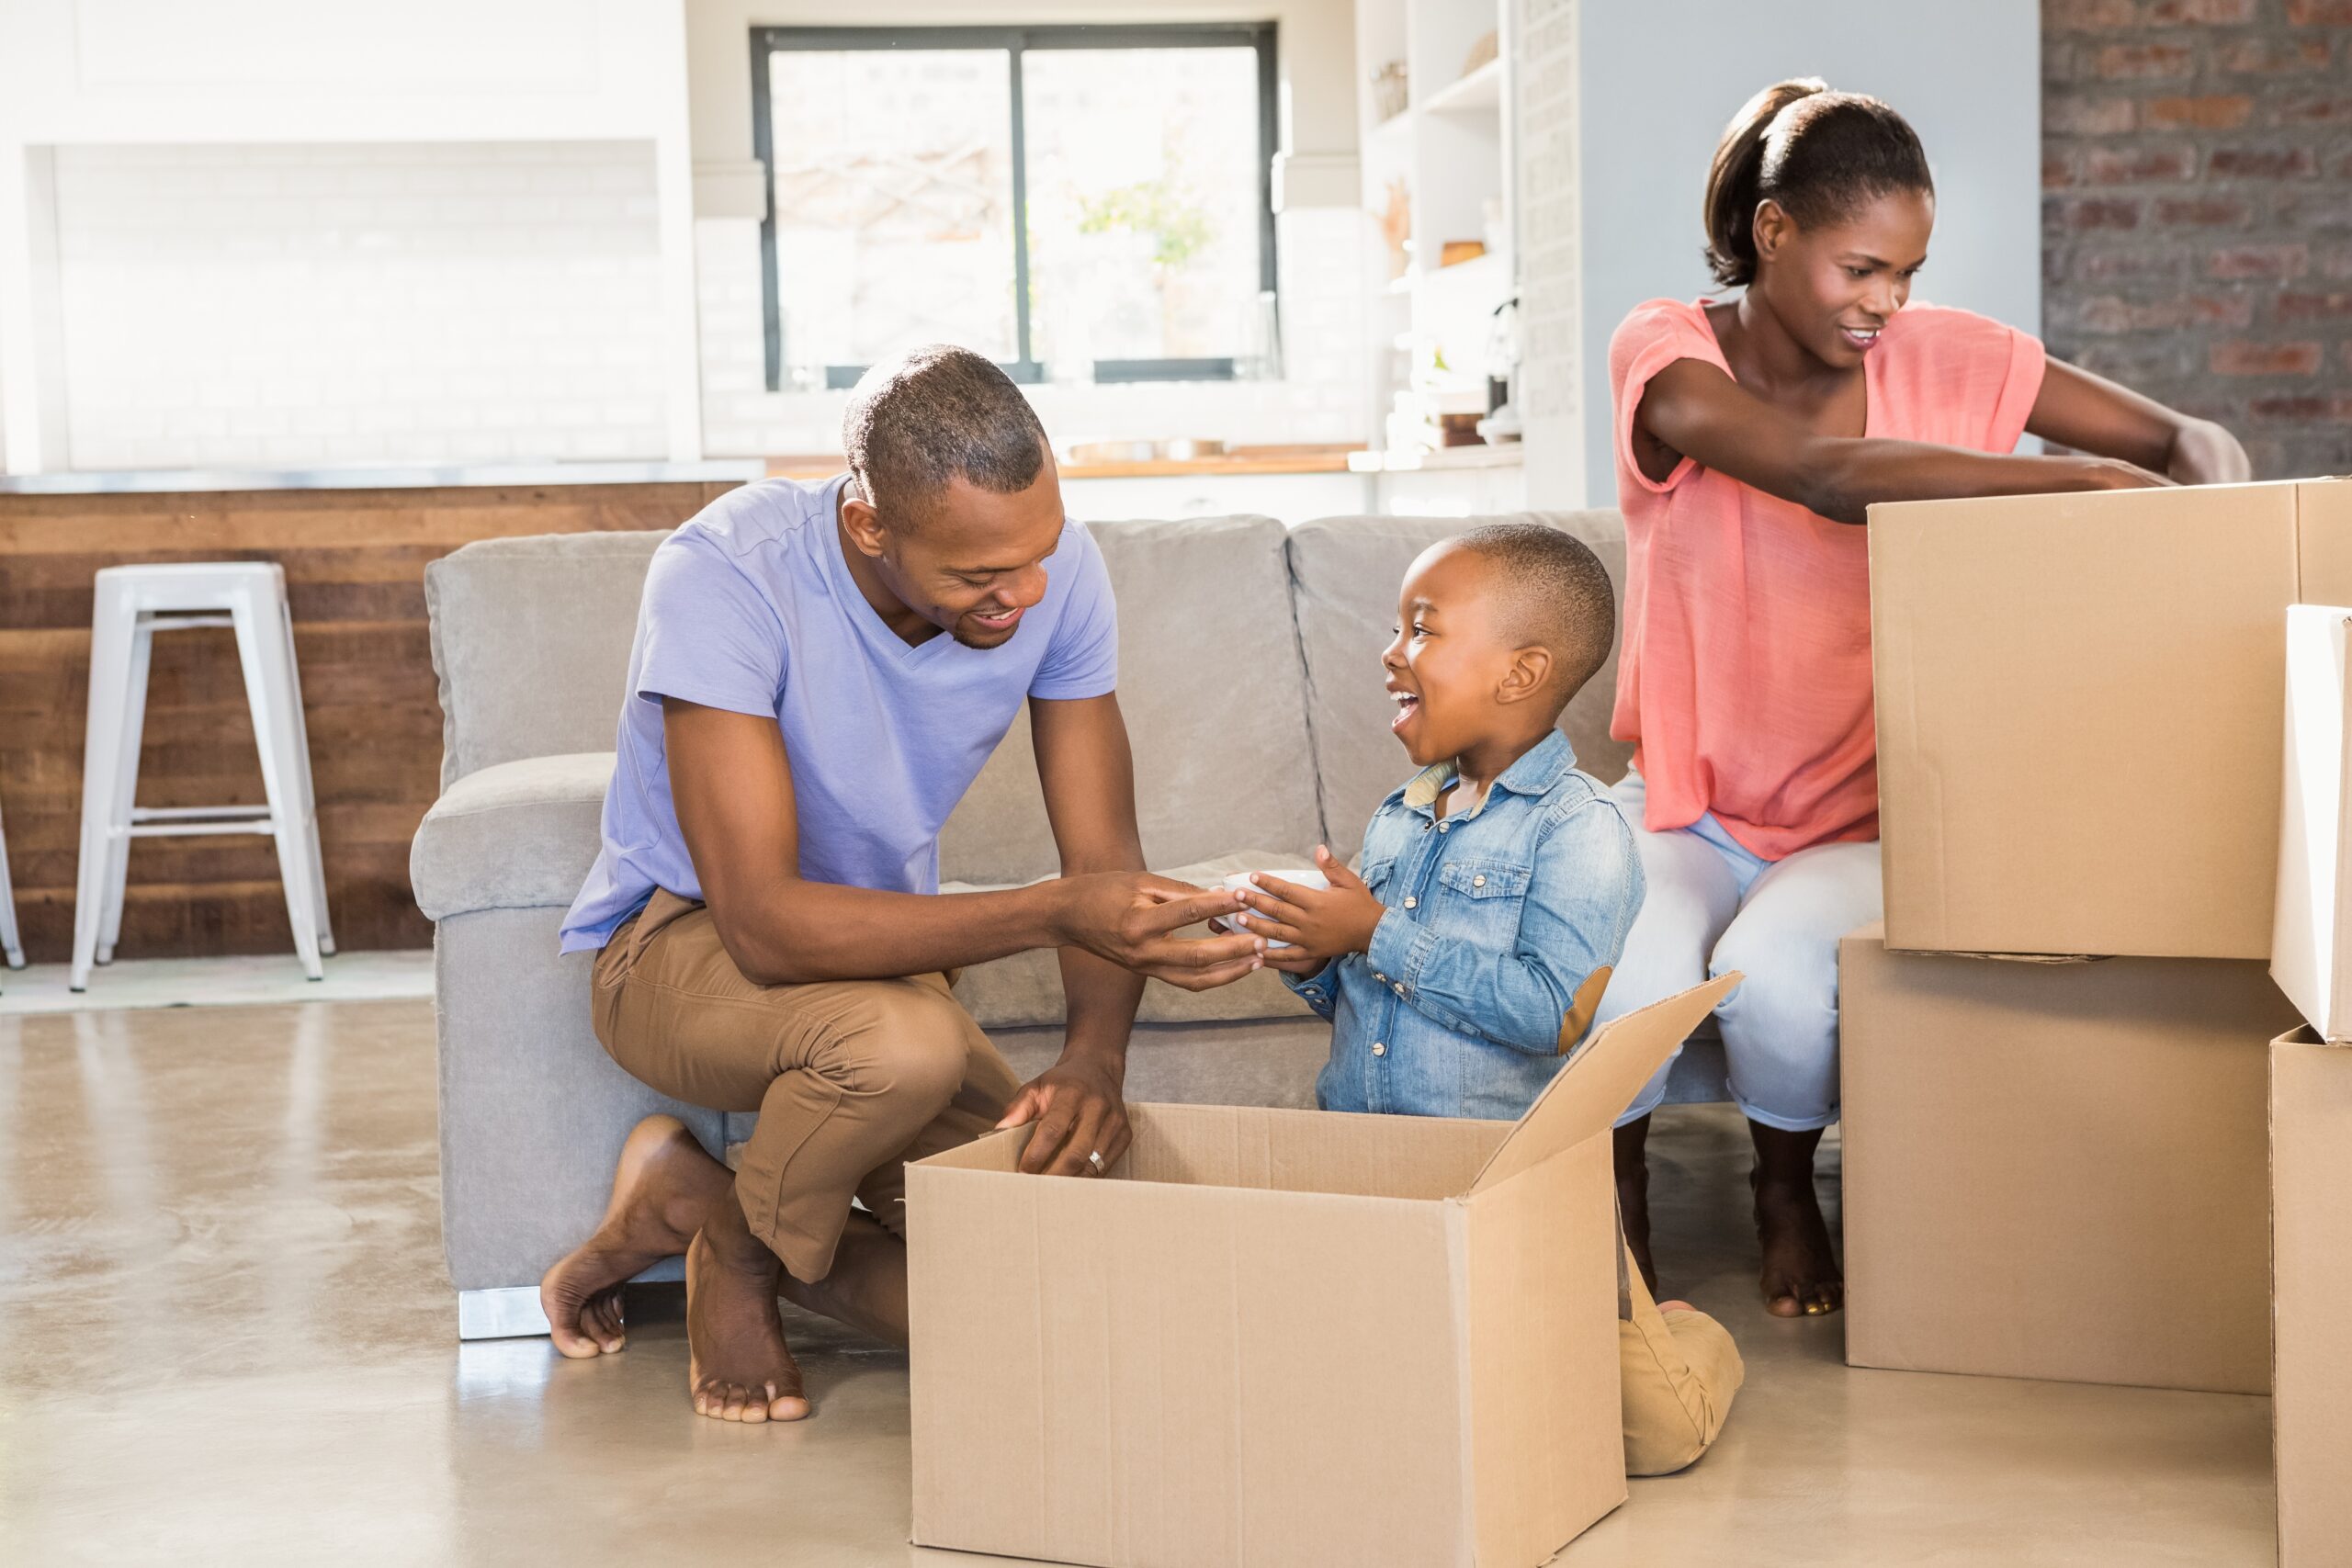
(2112,473)
(1319,923)
(2205,453)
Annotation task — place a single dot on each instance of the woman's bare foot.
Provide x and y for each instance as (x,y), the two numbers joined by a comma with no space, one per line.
(1801,1276)
(1629,1148)
(738,1368)
(664,1188)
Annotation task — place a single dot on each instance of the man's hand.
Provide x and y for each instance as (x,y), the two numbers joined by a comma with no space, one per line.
(1078,1111)
(1320,924)
(1131,919)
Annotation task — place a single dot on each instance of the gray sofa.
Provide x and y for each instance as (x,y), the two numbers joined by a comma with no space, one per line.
(1250,679)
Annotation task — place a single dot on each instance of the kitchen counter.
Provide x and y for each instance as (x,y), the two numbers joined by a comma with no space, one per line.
(517,476)
(1504,455)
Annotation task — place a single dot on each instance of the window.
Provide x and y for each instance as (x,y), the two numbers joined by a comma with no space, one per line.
(1077,202)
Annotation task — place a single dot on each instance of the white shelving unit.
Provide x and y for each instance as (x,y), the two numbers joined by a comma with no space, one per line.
(1448,156)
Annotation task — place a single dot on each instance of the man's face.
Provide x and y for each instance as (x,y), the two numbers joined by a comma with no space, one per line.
(973,562)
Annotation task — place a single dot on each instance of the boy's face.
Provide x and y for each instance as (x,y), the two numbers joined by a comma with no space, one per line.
(1448,664)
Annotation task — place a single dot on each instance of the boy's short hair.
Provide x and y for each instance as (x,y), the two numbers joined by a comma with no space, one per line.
(935,414)
(1553,591)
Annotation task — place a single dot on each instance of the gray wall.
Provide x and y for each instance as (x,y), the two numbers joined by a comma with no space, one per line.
(1657,83)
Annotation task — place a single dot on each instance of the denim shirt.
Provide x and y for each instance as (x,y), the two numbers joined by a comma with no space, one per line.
(1502,928)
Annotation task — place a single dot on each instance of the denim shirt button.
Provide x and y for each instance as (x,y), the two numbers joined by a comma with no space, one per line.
(1379,1049)
(1411,902)
(1398,987)
(1379,977)
(1478,880)
(1443,825)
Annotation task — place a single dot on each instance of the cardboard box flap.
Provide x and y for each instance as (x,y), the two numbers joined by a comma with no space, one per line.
(2314,879)
(1586,1096)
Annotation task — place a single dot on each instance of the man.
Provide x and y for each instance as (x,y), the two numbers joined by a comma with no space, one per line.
(819,674)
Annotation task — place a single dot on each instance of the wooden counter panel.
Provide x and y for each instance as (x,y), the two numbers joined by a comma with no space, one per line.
(355,567)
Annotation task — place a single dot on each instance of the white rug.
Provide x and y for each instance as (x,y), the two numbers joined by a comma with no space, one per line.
(219,982)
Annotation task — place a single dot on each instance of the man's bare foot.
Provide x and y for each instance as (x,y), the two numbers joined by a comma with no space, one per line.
(1629,1148)
(1801,1276)
(664,1188)
(867,1287)
(738,1368)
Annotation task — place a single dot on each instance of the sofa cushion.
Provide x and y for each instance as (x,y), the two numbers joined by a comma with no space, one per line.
(531,640)
(1216,703)
(1344,573)
(516,836)
(1025,991)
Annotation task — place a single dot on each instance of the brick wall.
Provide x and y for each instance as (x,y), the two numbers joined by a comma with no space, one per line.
(268,306)
(2198,211)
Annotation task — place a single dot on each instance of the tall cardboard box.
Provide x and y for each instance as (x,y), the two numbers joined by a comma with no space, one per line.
(1283,1338)
(2057,1170)
(2077,701)
(2311,1249)
(2311,1103)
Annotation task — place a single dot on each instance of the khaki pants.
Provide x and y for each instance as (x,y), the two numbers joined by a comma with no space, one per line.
(851,1078)
(1680,1370)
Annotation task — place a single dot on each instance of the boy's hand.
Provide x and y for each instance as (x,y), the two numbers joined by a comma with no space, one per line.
(1319,923)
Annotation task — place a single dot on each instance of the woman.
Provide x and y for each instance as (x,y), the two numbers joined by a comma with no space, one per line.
(1751,435)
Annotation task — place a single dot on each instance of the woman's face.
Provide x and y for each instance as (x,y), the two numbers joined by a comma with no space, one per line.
(1835,286)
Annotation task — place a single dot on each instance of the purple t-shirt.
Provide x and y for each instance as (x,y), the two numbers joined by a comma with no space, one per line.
(748,607)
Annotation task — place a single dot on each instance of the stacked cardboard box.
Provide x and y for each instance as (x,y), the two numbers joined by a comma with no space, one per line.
(2310,1101)
(1283,1338)
(2055,1160)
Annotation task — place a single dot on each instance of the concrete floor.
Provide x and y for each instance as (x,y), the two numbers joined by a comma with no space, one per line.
(225,1337)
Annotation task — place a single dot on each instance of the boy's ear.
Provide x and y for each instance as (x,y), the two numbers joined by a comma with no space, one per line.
(1528,674)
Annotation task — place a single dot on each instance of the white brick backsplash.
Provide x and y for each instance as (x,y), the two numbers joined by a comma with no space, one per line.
(235,305)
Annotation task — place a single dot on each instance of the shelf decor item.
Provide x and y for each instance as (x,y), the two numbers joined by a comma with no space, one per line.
(1396,228)
(1388,91)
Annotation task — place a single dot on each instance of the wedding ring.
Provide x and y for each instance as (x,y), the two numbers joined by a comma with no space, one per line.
(1095,1159)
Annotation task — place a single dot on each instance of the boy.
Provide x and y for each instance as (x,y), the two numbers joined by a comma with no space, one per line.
(1470,956)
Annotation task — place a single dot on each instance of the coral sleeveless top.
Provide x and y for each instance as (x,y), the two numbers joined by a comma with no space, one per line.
(1745,677)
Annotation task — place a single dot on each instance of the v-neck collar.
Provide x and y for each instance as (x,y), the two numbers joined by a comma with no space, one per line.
(1870,363)
(871,627)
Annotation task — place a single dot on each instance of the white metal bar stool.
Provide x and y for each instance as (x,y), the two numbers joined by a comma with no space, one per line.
(12,946)
(134,602)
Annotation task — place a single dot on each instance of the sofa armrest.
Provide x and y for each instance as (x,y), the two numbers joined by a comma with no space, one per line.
(516,836)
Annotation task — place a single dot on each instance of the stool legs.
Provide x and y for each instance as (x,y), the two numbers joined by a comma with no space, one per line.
(134,730)
(114,631)
(309,802)
(12,946)
(267,651)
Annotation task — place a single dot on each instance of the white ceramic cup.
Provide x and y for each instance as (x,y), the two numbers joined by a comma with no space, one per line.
(1239,880)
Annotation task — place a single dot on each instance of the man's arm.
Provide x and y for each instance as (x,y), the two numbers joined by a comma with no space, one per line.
(1088,772)
(731,785)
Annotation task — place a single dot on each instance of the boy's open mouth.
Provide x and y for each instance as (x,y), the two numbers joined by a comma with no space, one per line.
(1407,704)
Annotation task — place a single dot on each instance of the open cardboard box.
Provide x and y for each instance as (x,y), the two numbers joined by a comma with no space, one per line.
(2077,701)
(2057,1170)
(1283,1338)
(2311,1103)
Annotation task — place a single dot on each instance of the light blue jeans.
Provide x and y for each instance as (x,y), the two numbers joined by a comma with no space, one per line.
(1711,908)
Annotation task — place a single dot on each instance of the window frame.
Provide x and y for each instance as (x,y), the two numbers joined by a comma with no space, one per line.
(769,42)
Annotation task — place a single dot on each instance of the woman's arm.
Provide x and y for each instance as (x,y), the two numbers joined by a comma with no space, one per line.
(1692,409)
(2091,414)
